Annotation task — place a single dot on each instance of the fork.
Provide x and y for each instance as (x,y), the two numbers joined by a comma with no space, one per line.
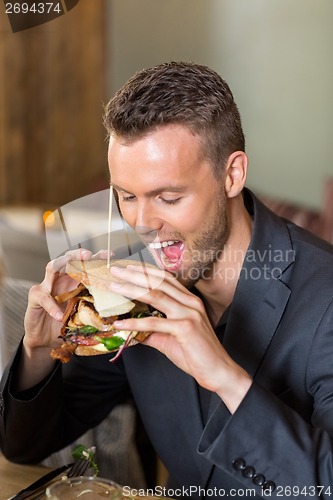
(37,489)
(78,468)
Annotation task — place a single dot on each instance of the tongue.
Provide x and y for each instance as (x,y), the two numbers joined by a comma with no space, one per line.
(173,252)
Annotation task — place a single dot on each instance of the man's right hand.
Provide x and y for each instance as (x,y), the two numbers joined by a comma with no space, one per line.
(43,320)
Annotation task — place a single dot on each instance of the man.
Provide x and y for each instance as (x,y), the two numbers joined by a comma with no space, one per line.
(235,383)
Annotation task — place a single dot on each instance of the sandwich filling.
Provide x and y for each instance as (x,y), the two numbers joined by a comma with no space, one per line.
(84,325)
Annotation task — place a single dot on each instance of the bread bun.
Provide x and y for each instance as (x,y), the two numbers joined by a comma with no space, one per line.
(96,273)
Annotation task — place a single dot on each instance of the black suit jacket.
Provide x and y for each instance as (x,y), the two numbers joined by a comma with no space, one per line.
(280,329)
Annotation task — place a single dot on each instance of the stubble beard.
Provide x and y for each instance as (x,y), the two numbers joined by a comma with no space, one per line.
(201,255)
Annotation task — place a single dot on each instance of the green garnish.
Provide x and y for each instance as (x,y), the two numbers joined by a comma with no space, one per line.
(81,452)
(88,329)
(110,343)
(142,314)
(83,330)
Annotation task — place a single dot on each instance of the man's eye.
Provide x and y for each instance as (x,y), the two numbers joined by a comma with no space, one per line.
(128,198)
(170,202)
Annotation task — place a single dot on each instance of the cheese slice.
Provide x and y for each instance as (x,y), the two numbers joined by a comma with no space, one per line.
(100,347)
(108,303)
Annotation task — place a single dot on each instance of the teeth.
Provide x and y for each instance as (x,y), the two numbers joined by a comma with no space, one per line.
(163,244)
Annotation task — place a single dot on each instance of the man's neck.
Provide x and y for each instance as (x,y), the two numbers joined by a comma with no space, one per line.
(218,291)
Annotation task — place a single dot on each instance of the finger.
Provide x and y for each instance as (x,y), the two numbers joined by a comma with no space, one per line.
(150,278)
(171,302)
(59,265)
(41,298)
(163,327)
(102,254)
(143,279)
(152,271)
(151,324)
(147,269)
(79,254)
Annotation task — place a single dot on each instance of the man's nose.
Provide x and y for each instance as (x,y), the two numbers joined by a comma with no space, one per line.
(146,220)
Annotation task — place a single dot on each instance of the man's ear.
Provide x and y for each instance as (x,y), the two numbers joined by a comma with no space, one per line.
(235,173)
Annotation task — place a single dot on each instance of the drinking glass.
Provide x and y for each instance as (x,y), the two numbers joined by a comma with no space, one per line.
(84,488)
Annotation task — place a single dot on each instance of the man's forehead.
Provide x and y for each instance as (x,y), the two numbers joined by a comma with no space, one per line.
(167,160)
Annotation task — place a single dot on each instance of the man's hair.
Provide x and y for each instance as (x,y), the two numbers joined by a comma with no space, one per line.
(181,93)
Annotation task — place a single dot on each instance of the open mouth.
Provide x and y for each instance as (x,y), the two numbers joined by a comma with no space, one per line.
(168,253)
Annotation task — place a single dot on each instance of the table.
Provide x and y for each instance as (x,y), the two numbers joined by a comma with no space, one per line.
(15,477)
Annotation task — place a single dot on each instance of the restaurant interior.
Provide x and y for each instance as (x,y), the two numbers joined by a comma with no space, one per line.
(55,79)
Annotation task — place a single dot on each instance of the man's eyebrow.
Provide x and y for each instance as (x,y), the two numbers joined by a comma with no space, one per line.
(153,192)
(117,188)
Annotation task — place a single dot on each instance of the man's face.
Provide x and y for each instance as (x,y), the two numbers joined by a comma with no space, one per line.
(168,193)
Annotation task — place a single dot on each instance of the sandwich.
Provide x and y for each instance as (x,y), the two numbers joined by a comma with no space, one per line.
(91,310)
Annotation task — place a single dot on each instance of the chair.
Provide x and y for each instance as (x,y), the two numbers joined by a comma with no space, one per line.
(320,221)
(328,211)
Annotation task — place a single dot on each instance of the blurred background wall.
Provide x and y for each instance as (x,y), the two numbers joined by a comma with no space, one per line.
(275,54)
(52,87)
(277,57)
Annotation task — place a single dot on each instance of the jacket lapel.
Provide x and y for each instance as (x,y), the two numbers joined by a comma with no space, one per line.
(254,318)
(261,295)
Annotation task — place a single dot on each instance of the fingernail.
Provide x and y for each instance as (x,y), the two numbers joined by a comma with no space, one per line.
(115,285)
(58,316)
(116,269)
(118,324)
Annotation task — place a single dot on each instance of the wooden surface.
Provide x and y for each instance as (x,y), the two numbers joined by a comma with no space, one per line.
(15,477)
(52,140)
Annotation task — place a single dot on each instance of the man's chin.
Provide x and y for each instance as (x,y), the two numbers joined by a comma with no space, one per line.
(190,277)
